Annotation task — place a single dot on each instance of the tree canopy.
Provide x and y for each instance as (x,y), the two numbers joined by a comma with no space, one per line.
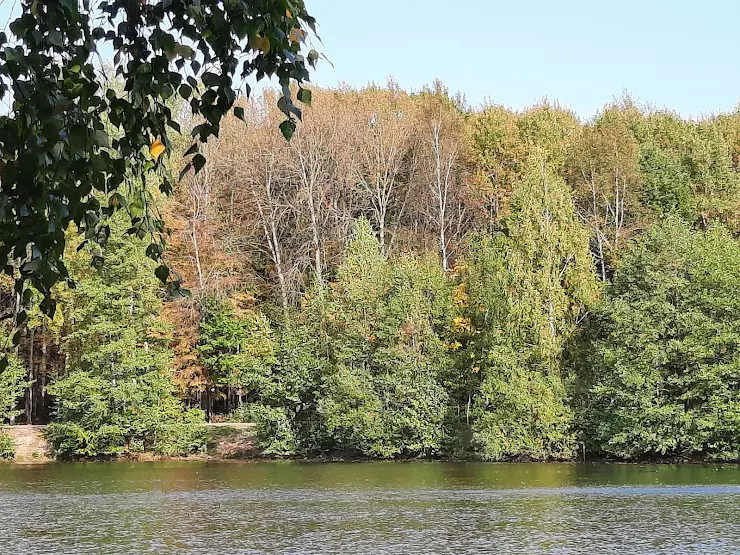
(408,278)
(663,367)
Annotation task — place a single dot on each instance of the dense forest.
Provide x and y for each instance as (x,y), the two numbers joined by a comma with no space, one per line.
(409,277)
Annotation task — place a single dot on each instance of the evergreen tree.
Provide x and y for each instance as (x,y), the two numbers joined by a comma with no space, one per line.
(117,395)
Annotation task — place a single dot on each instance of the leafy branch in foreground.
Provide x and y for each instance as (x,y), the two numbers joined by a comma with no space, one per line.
(75,149)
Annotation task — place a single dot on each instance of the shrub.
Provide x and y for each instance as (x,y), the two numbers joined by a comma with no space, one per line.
(7,446)
(274,429)
(98,418)
(13,381)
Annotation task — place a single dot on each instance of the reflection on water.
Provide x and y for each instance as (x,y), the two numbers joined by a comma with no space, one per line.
(378,508)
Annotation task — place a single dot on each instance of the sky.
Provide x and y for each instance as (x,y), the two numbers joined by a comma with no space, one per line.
(678,54)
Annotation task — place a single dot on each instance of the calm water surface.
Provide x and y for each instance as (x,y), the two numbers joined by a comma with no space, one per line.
(377,508)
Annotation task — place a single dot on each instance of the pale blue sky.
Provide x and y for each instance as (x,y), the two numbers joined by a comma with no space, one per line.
(680,54)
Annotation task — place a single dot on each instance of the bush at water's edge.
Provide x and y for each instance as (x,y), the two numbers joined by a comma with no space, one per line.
(7,446)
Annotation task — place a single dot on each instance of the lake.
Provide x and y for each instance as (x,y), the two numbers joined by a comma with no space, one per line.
(374,508)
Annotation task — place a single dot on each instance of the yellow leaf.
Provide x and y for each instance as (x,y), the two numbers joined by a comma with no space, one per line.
(260,43)
(297,35)
(157,149)
(288,14)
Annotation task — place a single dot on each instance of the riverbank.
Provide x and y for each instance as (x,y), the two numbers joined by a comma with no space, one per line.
(223,441)
(230,441)
(30,444)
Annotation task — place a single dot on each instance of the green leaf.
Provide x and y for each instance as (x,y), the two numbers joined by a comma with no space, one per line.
(136,208)
(71,5)
(185,170)
(162,272)
(185,91)
(239,112)
(304,95)
(210,79)
(78,138)
(184,51)
(31,266)
(48,305)
(288,128)
(282,104)
(176,292)
(100,138)
(154,251)
(198,162)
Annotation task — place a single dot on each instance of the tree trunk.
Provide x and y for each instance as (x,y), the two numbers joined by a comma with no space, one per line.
(277,258)
(31,380)
(43,366)
(602,263)
(381,229)
(316,239)
(196,254)
(441,188)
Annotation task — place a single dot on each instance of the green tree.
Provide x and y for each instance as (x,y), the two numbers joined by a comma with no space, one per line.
(664,365)
(385,397)
(285,399)
(13,383)
(238,349)
(287,411)
(528,288)
(666,184)
(501,141)
(13,378)
(687,168)
(359,372)
(118,396)
(110,313)
(97,417)
(604,172)
(548,131)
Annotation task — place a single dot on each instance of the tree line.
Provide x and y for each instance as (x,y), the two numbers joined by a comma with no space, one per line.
(410,277)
